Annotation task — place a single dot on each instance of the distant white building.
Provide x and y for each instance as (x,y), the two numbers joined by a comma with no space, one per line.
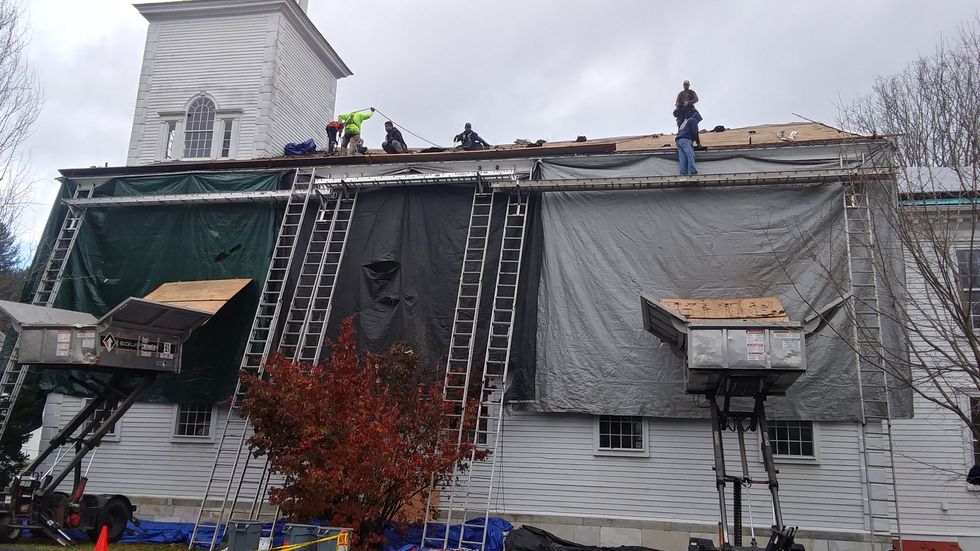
(231,79)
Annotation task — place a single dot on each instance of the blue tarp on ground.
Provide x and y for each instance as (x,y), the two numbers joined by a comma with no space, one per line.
(406,538)
(399,538)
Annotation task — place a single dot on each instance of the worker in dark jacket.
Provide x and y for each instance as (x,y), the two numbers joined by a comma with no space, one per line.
(687,135)
(394,143)
(335,129)
(469,139)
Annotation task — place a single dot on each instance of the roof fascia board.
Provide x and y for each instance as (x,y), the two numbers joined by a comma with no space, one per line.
(409,159)
(214,8)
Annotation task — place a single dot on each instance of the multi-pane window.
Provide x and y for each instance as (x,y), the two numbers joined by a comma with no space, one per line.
(113,432)
(226,138)
(199,131)
(968,265)
(975,416)
(792,438)
(170,136)
(193,420)
(620,432)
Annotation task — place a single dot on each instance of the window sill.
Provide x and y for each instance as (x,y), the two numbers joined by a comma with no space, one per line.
(795,460)
(621,453)
(192,439)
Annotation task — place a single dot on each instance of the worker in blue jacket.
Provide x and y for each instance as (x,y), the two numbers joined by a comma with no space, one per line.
(687,136)
(469,140)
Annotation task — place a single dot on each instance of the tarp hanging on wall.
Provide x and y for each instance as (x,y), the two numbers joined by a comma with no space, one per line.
(400,272)
(129,251)
(601,249)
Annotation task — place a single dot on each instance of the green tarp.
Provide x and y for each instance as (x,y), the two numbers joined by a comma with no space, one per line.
(130,251)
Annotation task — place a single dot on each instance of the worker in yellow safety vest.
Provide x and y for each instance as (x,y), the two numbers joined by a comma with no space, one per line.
(352,130)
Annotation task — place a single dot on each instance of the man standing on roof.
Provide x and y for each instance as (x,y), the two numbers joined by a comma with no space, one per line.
(687,134)
(470,140)
(352,129)
(334,130)
(686,98)
(394,143)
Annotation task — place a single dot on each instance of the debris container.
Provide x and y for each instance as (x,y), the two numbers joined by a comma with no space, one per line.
(293,534)
(244,535)
(339,544)
(305,533)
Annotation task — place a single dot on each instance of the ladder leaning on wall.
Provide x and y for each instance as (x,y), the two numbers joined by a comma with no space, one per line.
(14,373)
(232,470)
(881,492)
(468,495)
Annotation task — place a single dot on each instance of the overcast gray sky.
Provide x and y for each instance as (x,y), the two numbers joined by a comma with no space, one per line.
(550,69)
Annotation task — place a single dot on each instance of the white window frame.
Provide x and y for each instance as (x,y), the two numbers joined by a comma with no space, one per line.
(115,435)
(968,456)
(166,119)
(232,123)
(797,459)
(963,288)
(179,118)
(174,437)
(624,452)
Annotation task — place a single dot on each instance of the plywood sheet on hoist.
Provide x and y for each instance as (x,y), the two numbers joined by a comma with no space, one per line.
(763,308)
(206,295)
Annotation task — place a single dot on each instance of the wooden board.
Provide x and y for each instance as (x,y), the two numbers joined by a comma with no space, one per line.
(206,295)
(764,308)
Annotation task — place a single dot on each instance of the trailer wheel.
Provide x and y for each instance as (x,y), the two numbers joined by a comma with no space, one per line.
(115,514)
(8,533)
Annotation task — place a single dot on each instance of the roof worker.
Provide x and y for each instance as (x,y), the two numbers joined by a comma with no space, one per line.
(470,140)
(334,130)
(394,143)
(687,97)
(687,135)
(352,129)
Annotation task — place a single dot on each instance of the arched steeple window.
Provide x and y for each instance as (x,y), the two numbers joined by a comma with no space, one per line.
(199,132)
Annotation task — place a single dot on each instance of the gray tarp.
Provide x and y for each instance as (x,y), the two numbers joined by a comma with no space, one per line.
(601,249)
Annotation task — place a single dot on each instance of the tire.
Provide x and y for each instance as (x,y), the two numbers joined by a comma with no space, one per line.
(116,514)
(8,534)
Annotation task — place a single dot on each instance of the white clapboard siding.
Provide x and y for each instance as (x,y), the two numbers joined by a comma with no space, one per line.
(228,57)
(548,465)
(933,450)
(305,92)
(144,460)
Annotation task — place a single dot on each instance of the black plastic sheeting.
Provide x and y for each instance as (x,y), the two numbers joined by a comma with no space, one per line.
(529,538)
(400,273)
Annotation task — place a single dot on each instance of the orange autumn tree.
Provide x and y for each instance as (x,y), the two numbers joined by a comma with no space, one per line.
(353,438)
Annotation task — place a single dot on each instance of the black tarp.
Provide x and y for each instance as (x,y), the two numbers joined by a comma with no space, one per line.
(529,538)
(400,273)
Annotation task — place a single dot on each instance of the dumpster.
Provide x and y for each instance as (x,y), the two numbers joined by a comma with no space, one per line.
(305,533)
(243,535)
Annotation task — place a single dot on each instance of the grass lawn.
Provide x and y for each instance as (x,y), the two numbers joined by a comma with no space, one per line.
(47,545)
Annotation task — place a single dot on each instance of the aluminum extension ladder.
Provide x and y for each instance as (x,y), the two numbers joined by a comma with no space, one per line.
(470,492)
(309,311)
(14,374)
(864,308)
(231,472)
(462,342)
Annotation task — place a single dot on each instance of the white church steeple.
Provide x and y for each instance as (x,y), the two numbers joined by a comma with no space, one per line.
(231,79)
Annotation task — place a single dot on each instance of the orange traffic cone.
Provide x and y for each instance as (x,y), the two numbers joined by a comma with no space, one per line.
(103,543)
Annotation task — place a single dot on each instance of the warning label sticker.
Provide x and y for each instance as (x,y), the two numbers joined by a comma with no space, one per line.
(167,351)
(755,345)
